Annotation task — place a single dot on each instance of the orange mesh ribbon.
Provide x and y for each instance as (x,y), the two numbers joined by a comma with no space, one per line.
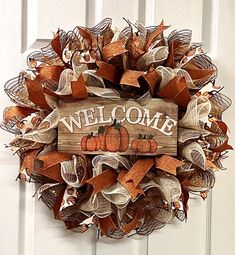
(28,161)
(103,180)
(35,87)
(154,35)
(131,179)
(198,74)
(177,90)
(106,225)
(114,49)
(135,223)
(134,191)
(108,71)
(48,164)
(139,170)
(17,111)
(56,45)
(78,87)
(168,164)
(130,77)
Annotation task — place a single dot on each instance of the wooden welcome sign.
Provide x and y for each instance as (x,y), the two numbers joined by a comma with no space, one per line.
(98,126)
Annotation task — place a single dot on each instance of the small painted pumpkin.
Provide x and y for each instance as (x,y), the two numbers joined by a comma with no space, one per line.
(153,144)
(90,143)
(134,143)
(144,144)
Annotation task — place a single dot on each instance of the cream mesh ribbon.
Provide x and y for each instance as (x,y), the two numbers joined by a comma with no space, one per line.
(94,83)
(45,133)
(168,73)
(69,171)
(155,56)
(195,154)
(185,134)
(169,187)
(197,113)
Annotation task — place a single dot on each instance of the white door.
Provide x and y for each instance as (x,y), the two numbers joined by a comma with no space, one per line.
(27,227)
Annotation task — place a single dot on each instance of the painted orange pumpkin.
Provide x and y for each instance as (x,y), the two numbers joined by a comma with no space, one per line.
(134,143)
(116,138)
(144,144)
(153,144)
(90,143)
(102,134)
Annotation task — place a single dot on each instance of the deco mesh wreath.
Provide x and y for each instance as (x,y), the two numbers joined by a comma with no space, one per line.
(119,193)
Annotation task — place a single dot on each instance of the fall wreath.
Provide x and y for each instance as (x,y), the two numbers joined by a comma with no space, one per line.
(119,194)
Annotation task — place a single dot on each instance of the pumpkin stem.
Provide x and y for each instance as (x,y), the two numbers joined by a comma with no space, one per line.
(114,122)
(90,135)
(140,136)
(116,125)
(101,130)
(150,137)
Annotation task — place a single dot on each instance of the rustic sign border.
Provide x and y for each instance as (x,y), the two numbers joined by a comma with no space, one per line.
(159,129)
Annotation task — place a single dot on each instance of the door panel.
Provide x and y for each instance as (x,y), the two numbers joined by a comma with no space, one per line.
(223,200)
(179,14)
(42,18)
(10,47)
(27,223)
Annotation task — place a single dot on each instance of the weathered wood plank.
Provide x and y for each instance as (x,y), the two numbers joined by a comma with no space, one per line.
(95,126)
